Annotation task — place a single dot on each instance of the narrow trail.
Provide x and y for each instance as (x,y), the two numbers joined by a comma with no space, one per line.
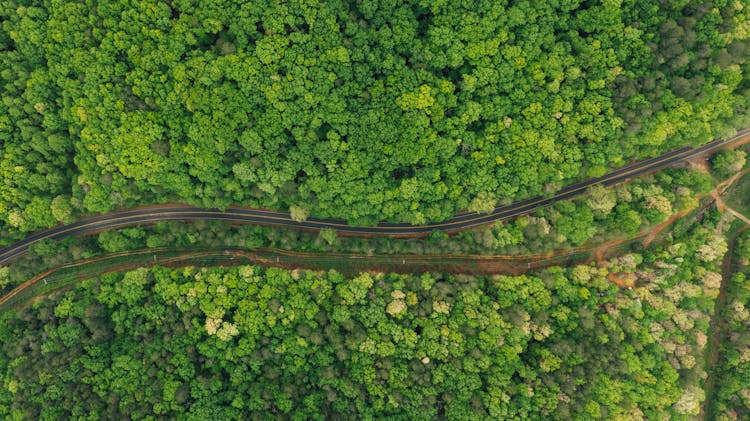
(723,207)
(722,187)
(659,228)
(345,263)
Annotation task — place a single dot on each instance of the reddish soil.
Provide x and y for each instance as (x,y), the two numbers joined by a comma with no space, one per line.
(655,231)
(623,280)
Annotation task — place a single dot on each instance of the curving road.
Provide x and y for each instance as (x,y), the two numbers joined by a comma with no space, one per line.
(456,223)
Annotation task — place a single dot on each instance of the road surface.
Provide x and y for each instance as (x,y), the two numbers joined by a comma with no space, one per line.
(457,223)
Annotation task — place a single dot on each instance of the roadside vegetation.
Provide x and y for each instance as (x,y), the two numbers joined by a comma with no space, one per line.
(600,215)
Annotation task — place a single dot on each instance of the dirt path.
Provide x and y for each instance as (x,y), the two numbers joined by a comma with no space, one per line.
(715,193)
(723,207)
(343,262)
(658,229)
(721,204)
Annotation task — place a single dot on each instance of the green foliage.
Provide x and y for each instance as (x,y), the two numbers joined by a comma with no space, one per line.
(61,210)
(562,343)
(367,111)
(298,214)
(728,162)
(245,342)
(601,200)
(328,235)
(483,203)
(732,400)
(575,223)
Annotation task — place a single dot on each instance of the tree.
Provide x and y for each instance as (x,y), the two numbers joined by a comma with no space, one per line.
(363,113)
(484,202)
(627,220)
(601,200)
(113,241)
(315,344)
(61,209)
(660,204)
(713,249)
(689,403)
(298,214)
(728,162)
(577,225)
(328,235)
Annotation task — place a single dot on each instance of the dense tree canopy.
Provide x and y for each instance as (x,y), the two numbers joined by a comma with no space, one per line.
(246,342)
(732,400)
(365,110)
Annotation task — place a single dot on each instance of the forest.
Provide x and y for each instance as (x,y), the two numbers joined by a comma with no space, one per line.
(389,110)
(246,342)
(364,110)
(733,393)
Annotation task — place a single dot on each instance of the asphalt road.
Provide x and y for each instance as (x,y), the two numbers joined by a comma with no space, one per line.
(456,223)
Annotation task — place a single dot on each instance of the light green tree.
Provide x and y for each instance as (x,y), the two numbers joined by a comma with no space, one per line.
(328,234)
(298,213)
(483,203)
(601,200)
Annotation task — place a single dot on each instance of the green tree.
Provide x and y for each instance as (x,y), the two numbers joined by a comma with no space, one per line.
(328,235)
(483,203)
(61,209)
(298,214)
(601,200)
(728,162)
